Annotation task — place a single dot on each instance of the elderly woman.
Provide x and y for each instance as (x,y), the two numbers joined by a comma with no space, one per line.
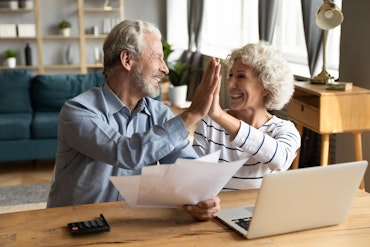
(259,80)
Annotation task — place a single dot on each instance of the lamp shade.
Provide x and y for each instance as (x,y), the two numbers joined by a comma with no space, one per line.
(329,16)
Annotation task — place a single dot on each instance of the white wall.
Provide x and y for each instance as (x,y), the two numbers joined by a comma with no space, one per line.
(148,10)
(355,67)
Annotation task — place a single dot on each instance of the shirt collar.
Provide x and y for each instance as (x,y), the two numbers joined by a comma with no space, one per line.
(116,105)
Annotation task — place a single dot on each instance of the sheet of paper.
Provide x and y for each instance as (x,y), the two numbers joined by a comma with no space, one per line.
(131,182)
(185,182)
(212,157)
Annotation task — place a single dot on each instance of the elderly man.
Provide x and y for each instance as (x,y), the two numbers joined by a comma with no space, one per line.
(117,129)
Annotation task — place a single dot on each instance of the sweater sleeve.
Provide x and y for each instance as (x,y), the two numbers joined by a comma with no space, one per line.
(276,148)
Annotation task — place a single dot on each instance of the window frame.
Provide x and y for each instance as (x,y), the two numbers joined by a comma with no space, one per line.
(243,15)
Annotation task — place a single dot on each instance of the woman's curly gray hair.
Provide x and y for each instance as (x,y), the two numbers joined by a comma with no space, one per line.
(272,70)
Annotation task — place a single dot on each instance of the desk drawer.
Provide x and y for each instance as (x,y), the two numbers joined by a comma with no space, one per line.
(304,114)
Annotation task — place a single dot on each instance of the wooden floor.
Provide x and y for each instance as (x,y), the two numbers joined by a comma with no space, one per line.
(26,172)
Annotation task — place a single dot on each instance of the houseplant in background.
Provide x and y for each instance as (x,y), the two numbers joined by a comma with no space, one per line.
(178,76)
(11,58)
(65,28)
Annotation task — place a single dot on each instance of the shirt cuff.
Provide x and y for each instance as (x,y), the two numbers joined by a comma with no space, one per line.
(176,130)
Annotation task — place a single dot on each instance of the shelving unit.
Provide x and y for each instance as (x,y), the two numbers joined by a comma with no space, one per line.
(88,40)
(48,47)
(17,43)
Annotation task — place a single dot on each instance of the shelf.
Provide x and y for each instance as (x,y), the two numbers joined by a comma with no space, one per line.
(62,66)
(56,36)
(94,10)
(91,36)
(33,67)
(94,66)
(15,10)
(18,38)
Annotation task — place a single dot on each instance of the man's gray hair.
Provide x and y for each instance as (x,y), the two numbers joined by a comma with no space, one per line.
(126,35)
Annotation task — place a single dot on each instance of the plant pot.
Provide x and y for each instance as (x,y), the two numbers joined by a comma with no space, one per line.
(11,62)
(177,95)
(65,32)
(13,4)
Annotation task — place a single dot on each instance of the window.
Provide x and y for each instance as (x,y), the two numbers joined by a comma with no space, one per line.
(231,24)
(227,26)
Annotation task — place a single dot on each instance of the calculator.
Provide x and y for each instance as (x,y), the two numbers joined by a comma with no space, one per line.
(91,226)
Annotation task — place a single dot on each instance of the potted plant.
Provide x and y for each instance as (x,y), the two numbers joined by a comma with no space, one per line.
(178,76)
(65,28)
(11,58)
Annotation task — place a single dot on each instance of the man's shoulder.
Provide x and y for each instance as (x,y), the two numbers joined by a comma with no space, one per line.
(91,92)
(87,99)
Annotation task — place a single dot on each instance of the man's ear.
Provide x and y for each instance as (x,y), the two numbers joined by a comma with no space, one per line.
(126,59)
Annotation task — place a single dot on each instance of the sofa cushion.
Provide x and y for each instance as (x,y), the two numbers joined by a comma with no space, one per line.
(14,93)
(49,92)
(44,125)
(15,126)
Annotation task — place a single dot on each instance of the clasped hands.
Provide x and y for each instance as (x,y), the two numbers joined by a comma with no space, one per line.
(205,100)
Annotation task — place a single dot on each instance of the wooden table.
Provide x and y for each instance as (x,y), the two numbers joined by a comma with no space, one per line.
(329,112)
(170,227)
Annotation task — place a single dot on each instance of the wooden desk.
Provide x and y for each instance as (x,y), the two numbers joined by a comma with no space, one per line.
(170,227)
(329,112)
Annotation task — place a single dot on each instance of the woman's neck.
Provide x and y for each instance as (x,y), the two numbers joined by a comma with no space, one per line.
(252,117)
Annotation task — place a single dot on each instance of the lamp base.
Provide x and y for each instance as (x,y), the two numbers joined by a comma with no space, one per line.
(322,78)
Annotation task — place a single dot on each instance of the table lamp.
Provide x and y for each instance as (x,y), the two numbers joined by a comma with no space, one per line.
(328,17)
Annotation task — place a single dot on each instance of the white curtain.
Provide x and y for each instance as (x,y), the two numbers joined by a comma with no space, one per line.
(177,21)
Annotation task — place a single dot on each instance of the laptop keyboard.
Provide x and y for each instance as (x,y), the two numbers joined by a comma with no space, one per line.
(243,222)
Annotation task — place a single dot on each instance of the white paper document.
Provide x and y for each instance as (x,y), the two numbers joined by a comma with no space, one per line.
(188,181)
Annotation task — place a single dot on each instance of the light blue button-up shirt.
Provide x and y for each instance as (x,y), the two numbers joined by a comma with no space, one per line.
(99,137)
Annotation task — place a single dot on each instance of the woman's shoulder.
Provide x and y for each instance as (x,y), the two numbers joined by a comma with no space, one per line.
(276,123)
(276,119)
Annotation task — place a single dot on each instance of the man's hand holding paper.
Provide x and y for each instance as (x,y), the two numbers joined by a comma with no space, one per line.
(185,182)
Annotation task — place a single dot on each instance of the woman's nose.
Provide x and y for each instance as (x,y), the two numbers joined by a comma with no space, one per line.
(230,83)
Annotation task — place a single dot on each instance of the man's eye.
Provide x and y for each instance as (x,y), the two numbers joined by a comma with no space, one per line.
(157,56)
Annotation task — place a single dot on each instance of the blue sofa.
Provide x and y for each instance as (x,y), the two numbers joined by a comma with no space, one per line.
(29,109)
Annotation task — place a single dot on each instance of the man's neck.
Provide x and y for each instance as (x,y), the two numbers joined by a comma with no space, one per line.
(126,95)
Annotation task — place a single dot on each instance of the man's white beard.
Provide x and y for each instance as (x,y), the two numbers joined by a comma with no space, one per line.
(146,86)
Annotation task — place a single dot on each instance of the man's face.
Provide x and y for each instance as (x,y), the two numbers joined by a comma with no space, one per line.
(150,68)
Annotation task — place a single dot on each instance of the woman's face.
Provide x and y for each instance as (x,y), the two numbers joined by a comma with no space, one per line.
(246,91)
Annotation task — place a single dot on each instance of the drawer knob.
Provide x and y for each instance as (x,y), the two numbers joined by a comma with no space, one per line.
(302,107)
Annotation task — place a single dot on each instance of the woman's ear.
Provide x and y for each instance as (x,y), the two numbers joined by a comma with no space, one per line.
(265,92)
(126,59)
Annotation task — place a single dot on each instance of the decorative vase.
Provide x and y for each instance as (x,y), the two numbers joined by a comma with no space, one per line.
(69,55)
(11,62)
(177,95)
(65,32)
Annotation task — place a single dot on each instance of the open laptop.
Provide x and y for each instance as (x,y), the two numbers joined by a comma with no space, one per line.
(298,200)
